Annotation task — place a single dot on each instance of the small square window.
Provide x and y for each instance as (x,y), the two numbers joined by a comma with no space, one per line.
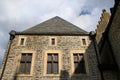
(83,41)
(22,41)
(53,41)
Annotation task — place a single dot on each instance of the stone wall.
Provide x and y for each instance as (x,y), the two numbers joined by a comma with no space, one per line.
(40,44)
(106,56)
(114,35)
(101,27)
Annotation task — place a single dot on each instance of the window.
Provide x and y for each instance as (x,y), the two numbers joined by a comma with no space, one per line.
(25,63)
(83,41)
(79,63)
(53,41)
(22,41)
(52,63)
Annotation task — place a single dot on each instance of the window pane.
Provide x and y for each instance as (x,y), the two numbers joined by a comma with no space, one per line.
(76,67)
(28,66)
(22,41)
(81,57)
(53,41)
(49,67)
(29,58)
(49,57)
(55,68)
(83,41)
(75,57)
(21,69)
(55,57)
(23,58)
(82,67)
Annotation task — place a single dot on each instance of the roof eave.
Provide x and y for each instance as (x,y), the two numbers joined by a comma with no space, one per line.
(72,34)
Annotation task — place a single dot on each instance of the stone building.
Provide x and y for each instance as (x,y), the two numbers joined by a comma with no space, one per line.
(59,50)
(110,45)
(52,50)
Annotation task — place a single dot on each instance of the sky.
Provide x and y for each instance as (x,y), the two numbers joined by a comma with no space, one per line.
(19,15)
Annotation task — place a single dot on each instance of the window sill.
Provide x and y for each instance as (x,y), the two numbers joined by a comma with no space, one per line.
(52,75)
(84,74)
(24,75)
(52,45)
(21,45)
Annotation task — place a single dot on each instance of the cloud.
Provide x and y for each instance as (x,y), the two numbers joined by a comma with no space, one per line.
(88,20)
(22,14)
(1,55)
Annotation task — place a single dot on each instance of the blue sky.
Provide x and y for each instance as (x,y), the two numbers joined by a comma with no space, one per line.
(22,14)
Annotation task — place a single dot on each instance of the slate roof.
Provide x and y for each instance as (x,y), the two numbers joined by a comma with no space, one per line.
(55,25)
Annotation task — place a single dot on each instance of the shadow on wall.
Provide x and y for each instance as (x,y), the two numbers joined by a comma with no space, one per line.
(64,75)
(85,66)
(93,69)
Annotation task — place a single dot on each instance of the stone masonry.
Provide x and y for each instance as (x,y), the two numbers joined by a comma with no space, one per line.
(114,35)
(101,27)
(40,44)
